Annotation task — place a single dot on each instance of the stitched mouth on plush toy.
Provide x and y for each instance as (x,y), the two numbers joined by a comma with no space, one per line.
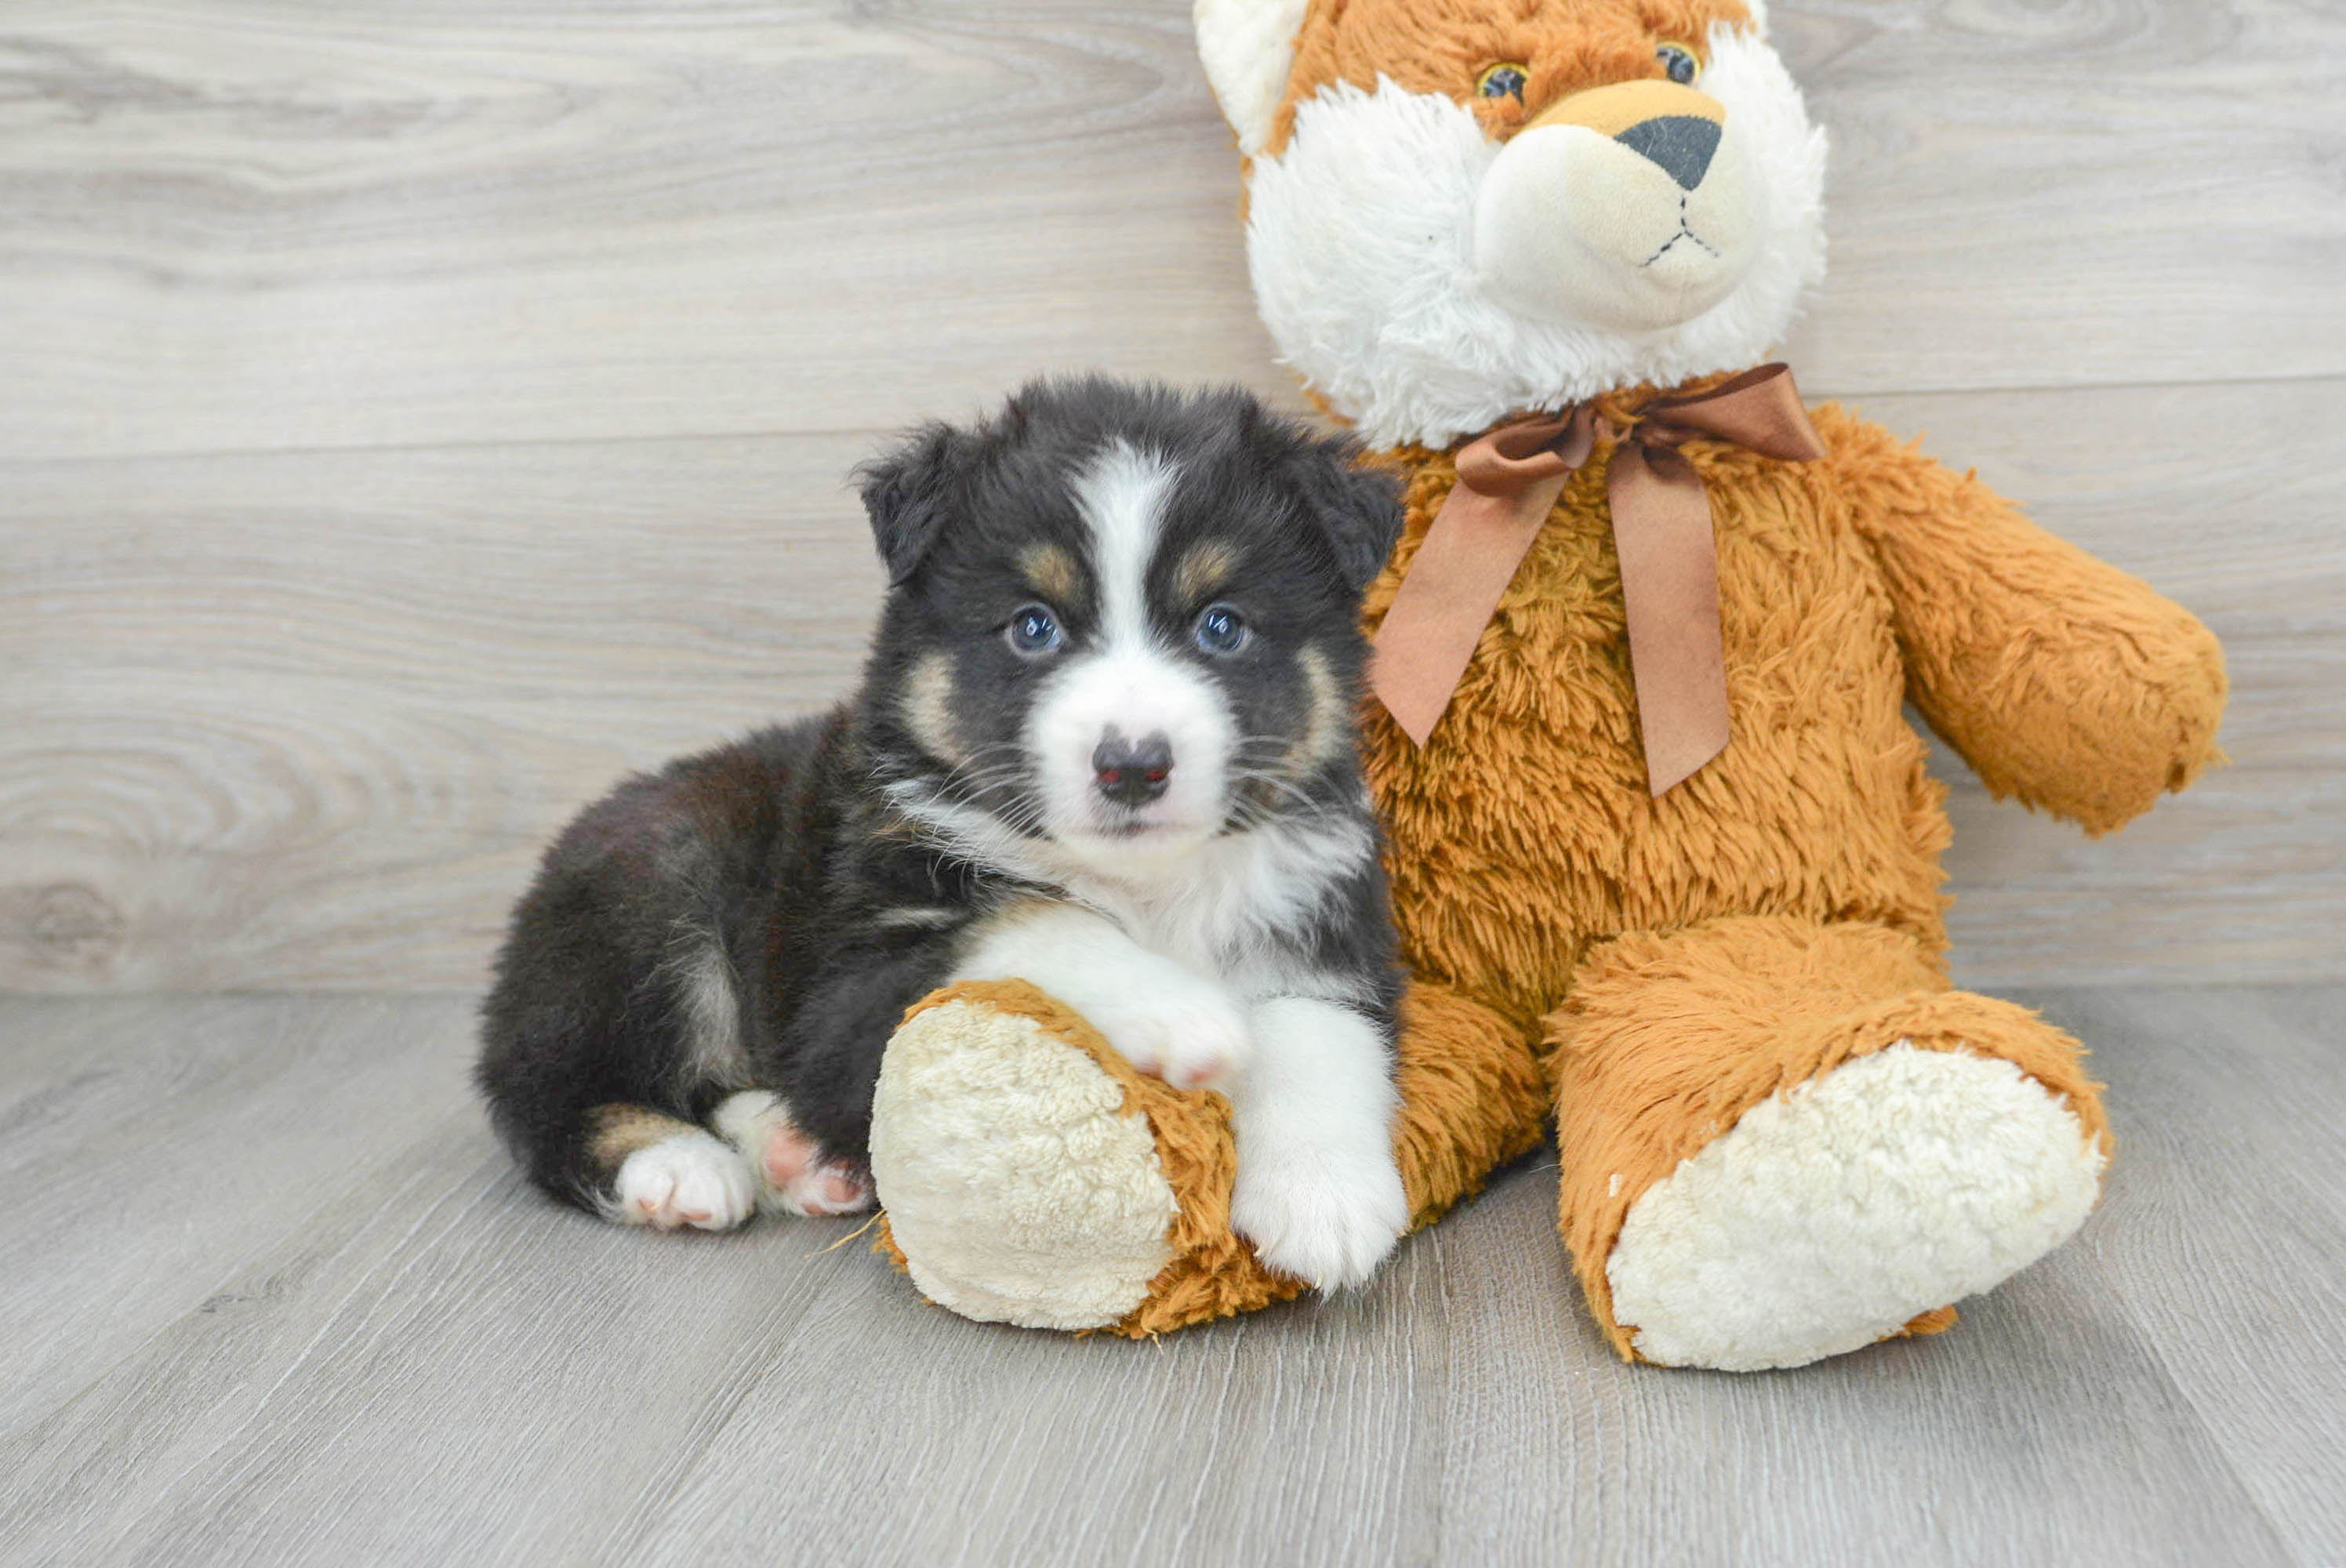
(1671,243)
(1685,232)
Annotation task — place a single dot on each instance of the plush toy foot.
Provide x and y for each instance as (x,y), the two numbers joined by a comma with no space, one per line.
(1030,1175)
(1784,1142)
(1836,1212)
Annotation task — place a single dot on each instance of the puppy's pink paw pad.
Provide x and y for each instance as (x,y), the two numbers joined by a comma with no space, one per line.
(827,1189)
(1203,1073)
(789,1152)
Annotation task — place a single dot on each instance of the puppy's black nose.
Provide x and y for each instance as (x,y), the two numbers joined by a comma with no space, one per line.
(1130,773)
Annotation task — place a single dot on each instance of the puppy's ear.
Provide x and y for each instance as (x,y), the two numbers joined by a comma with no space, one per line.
(1357,508)
(909,494)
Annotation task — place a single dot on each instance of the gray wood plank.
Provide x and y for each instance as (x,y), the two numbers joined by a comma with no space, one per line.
(2043,1428)
(170,1139)
(1294,1436)
(2226,1238)
(240,226)
(431,1365)
(439,1367)
(304,720)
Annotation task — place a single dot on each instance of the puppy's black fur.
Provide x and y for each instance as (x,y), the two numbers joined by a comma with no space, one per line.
(760,915)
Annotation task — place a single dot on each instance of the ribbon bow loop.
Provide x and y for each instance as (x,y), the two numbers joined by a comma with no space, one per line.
(1507,482)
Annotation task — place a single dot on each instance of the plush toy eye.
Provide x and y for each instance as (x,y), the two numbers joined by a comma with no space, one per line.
(1503,80)
(1678,61)
(1221,631)
(1033,630)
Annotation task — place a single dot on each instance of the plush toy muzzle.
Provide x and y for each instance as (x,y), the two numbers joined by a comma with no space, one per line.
(1630,207)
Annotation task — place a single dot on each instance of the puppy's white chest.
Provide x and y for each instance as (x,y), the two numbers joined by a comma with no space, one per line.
(1240,910)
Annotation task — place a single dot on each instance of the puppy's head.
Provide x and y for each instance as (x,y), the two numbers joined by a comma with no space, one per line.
(1121,622)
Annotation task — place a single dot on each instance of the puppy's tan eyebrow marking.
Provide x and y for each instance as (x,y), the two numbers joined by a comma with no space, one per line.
(1051,572)
(1204,568)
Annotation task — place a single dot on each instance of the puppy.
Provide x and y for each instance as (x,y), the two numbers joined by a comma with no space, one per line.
(1104,743)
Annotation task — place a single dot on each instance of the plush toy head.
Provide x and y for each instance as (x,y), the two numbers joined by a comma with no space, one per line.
(1465,209)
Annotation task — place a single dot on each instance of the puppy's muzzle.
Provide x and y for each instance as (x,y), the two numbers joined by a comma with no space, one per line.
(1132,773)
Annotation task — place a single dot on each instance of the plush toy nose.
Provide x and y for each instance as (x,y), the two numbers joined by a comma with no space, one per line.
(1673,127)
(1681,144)
(1132,773)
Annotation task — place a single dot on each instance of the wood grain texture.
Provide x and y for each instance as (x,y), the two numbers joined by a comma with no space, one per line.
(411,1359)
(218,1123)
(304,720)
(239,224)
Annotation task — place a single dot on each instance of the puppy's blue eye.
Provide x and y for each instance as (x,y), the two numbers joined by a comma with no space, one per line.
(1221,631)
(1033,630)
(1677,63)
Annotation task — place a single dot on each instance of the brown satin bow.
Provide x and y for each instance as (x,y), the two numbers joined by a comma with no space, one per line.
(1508,481)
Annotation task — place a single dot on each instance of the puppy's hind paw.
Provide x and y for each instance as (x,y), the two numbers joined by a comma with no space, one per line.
(795,1175)
(689,1180)
(1326,1221)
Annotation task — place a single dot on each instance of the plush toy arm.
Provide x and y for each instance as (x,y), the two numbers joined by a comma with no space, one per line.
(2060,679)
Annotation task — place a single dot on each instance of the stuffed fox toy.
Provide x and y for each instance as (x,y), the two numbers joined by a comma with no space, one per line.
(1665,857)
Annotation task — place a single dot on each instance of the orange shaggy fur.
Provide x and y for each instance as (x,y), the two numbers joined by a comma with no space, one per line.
(1445,47)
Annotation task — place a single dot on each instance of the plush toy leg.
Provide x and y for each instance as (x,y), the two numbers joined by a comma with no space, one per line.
(1783,1141)
(1028,1175)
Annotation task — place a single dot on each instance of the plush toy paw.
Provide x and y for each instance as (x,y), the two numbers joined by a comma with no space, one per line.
(1018,1184)
(690,1179)
(1321,1218)
(1831,1215)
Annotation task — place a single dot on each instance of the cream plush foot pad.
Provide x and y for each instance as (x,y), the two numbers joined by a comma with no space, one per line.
(1833,1213)
(1015,1189)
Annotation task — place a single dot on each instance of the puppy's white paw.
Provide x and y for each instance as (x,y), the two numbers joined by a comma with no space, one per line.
(794,1178)
(1179,1027)
(801,1182)
(691,1180)
(1324,1217)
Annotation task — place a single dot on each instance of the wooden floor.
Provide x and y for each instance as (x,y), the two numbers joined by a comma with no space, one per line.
(274,1296)
(411,415)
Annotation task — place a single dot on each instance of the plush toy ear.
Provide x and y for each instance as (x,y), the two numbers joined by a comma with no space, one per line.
(907,493)
(1358,509)
(1248,47)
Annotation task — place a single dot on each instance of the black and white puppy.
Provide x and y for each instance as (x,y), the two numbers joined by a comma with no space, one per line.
(1104,743)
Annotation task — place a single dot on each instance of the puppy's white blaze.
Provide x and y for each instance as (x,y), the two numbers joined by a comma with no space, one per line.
(1317,1189)
(1127,682)
(1360,240)
(1121,499)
